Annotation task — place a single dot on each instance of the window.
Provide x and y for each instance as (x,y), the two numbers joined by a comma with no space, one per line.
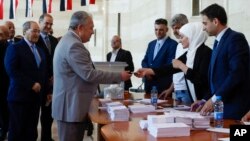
(196,7)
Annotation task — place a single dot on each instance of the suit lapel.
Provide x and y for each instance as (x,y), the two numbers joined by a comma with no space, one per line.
(31,54)
(214,57)
(219,48)
(151,54)
(162,49)
(119,54)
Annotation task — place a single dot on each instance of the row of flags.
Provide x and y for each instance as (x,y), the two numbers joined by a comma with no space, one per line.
(46,7)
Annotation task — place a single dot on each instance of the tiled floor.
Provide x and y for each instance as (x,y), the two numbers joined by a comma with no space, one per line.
(55,135)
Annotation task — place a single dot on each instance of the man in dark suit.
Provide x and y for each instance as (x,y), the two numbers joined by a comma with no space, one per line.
(26,67)
(12,31)
(4,79)
(48,43)
(160,52)
(120,55)
(229,66)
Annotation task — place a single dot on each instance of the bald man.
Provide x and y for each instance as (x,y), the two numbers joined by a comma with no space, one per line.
(12,31)
(4,113)
(120,55)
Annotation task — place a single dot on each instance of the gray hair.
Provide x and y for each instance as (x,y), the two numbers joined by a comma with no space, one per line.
(179,19)
(26,26)
(78,18)
(41,18)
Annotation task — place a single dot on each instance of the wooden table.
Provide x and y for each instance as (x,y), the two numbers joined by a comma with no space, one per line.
(101,117)
(131,131)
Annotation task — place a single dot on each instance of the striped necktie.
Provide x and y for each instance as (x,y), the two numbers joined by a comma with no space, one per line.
(48,43)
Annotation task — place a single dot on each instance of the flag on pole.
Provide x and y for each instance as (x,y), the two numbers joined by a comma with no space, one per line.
(13,7)
(91,1)
(83,2)
(28,12)
(50,6)
(44,6)
(1,9)
(62,5)
(69,4)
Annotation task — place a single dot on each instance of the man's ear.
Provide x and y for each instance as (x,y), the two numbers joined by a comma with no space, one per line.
(216,21)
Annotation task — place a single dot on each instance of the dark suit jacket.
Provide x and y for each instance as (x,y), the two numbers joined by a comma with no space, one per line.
(49,59)
(124,56)
(229,74)
(197,75)
(3,75)
(164,57)
(22,69)
(15,41)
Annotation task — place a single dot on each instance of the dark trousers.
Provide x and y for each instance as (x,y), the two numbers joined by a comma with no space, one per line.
(70,131)
(46,122)
(4,116)
(23,121)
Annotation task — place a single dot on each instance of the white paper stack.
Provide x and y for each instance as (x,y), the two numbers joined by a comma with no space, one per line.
(169,130)
(143,124)
(141,108)
(157,119)
(148,101)
(186,120)
(116,103)
(202,122)
(104,101)
(193,119)
(118,113)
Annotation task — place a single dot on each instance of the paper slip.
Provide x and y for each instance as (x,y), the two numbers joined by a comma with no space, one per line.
(143,124)
(158,119)
(247,123)
(141,108)
(182,107)
(148,101)
(220,130)
(169,130)
(224,139)
(104,101)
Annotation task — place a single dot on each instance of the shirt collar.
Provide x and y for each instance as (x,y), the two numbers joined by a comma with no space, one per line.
(219,36)
(115,51)
(161,41)
(43,35)
(28,42)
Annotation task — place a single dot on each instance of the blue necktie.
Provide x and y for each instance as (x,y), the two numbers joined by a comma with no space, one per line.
(212,64)
(156,50)
(36,55)
(215,45)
